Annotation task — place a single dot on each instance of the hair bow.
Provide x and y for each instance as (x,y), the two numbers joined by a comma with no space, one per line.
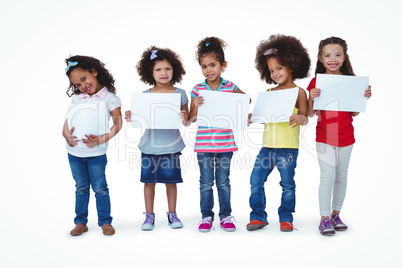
(270,51)
(207,44)
(70,64)
(153,55)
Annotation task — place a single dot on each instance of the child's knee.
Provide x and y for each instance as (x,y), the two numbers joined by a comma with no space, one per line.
(101,192)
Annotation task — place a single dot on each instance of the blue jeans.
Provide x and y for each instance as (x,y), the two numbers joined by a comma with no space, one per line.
(90,171)
(285,160)
(215,167)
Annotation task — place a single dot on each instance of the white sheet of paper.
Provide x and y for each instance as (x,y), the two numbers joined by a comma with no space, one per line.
(275,106)
(88,118)
(155,110)
(223,110)
(341,93)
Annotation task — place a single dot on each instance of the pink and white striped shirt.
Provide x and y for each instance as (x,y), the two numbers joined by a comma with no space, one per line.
(214,140)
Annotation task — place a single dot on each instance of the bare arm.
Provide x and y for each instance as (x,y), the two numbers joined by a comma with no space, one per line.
(184,115)
(314,93)
(68,135)
(300,118)
(127,116)
(195,103)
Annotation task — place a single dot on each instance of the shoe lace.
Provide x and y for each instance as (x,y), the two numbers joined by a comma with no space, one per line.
(326,224)
(228,219)
(149,218)
(172,217)
(207,220)
(335,220)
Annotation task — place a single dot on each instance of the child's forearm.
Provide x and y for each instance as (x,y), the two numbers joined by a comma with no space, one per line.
(118,122)
(184,114)
(305,122)
(184,119)
(65,131)
(68,135)
(186,122)
(65,128)
(310,110)
(192,117)
(117,125)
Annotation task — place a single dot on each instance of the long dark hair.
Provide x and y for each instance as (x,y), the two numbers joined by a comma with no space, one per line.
(346,67)
(104,77)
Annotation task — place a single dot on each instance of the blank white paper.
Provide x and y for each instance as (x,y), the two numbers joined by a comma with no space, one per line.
(223,110)
(275,106)
(89,118)
(341,93)
(155,110)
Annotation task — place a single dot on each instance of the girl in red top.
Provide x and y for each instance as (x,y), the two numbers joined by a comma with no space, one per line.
(334,136)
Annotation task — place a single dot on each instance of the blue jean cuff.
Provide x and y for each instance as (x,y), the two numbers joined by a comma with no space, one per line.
(104,222)
(259,219)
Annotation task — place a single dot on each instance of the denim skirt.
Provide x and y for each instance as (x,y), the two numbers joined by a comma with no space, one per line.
(164,168)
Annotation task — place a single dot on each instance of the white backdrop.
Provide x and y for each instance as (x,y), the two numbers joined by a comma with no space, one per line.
(37,189)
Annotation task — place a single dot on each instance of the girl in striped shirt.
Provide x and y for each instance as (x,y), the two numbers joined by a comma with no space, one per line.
(214,146)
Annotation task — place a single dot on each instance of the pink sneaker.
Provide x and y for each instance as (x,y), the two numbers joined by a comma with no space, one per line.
(205,225)
(227,224)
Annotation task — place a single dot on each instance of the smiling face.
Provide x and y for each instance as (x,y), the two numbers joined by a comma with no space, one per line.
(332,57)
(162,72)
(86,81)
(211,68)
(279,73)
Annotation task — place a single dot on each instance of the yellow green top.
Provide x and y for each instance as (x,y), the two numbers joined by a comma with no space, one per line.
(281,135)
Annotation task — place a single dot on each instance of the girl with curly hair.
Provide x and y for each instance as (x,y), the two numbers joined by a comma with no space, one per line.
(91,81)
(280,60)
(334,136)
(214,146)
(161,148)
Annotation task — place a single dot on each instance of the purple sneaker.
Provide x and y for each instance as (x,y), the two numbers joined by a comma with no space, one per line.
(174,221)
(149,222)
(326,227)
(205,225)
(227,224)
(337,223)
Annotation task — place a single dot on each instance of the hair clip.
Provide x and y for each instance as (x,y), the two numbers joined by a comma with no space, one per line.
(70,64)
(207,44)
(270,51)
(153,55)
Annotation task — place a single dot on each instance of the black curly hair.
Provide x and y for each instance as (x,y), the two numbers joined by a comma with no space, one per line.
(288,50)
(346,67)
(88,63)
(211,45)
(146,65)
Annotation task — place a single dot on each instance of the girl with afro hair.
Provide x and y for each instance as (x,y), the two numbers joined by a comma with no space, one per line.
(280,60)
(161,148)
